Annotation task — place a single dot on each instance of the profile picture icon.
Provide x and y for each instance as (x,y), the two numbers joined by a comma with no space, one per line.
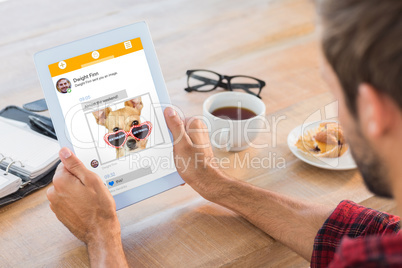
(94,163)
(63,85)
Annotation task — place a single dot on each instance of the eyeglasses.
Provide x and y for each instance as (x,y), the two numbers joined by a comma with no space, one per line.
(205,81)
(118,139)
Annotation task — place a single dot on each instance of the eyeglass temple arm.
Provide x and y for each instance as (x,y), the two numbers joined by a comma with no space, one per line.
(207,81)
(245,86)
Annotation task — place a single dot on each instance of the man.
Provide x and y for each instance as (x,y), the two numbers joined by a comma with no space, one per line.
(63,85)
(363,66)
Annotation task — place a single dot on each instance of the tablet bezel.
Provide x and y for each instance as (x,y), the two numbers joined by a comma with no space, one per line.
(46,57)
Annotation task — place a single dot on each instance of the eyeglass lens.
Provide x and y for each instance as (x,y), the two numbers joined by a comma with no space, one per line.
(245,83)
(203,80)
(140,132)
(117,139)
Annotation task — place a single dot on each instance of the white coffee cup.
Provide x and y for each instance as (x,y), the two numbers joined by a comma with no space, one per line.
(233,135)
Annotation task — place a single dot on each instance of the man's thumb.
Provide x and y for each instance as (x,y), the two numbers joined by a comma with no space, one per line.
(72,163)
(176,126)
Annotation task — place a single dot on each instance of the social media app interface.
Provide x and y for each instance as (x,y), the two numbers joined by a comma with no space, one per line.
(113,115)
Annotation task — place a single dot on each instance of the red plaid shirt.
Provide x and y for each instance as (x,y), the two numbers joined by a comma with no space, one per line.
(355,236)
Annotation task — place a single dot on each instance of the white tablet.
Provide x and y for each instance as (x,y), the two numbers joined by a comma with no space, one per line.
(106,95)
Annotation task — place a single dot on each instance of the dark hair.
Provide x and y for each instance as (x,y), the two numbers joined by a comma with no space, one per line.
(362,41)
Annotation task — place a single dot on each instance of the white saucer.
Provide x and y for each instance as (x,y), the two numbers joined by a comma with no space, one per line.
(345,162)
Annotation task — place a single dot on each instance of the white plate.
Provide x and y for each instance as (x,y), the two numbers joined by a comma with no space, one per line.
(345,162)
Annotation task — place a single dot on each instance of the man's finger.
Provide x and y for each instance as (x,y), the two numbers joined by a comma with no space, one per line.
(197,131)
(50,194)
(60,166)
(59,169)
(176,126)
(51,207)
(73,164)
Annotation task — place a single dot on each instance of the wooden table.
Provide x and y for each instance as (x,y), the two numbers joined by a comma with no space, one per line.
(273,40)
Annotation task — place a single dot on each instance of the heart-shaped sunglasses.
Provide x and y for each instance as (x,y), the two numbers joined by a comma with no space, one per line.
(118,139)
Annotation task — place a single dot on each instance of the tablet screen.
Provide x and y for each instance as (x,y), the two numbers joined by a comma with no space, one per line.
(113,115)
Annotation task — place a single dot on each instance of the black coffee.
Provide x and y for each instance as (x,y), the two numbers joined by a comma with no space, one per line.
(234,113)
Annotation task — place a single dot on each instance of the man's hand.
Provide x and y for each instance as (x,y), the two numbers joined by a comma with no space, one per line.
(85,206)
(194,156)
(292,222)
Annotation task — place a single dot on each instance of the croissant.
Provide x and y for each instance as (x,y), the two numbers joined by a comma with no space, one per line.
(325,141)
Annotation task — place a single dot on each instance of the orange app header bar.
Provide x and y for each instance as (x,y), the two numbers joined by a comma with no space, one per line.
(95,57)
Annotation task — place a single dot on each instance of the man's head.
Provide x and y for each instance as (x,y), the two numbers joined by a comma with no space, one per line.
(362,44)
(63,85)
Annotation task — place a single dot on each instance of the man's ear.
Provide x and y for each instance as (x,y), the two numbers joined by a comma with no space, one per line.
(375,111)
(135,103)
(101,115)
